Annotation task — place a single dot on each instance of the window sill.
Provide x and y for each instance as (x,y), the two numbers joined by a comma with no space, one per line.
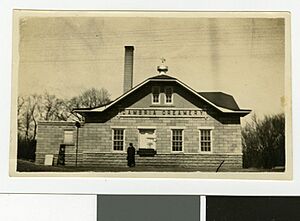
(206,152)
(177,152)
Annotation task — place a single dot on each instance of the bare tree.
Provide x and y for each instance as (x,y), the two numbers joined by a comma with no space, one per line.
(93,97)
(47,107)
(264,142)
(21,102)
(53,108)
(62,112)
(20,105)
(74,103)
(28,111)
(90,98)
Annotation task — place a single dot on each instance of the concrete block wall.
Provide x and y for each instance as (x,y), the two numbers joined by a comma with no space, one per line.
(95,142)
(226,138)
(49,138)
(201,162)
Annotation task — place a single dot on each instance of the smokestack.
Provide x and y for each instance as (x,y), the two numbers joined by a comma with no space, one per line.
(128,68)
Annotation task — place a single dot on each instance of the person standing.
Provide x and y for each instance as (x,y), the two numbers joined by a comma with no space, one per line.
(131,155)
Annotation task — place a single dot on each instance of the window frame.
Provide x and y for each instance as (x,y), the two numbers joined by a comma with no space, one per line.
(73,140)
(165,95)
(112,139)
(182,141)
(210,129)
(152,95)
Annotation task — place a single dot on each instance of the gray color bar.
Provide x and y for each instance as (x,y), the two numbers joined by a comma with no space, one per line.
(148,208)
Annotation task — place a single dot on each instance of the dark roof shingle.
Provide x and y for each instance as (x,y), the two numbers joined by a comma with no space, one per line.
(221,99)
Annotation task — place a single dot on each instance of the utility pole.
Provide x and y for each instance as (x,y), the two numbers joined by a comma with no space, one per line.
(77,124)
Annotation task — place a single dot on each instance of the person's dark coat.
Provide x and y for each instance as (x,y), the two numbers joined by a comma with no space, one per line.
(131,156)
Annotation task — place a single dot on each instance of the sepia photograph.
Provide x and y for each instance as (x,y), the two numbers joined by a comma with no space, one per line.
(151,93)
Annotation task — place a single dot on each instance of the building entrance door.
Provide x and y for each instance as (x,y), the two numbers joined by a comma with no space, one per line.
(147,139)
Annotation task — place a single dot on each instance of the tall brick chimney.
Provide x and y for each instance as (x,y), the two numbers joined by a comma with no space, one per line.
(128,68)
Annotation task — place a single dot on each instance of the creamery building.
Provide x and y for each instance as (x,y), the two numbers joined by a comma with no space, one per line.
(170,124)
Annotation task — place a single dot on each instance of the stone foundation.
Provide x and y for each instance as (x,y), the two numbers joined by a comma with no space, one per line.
(188,161)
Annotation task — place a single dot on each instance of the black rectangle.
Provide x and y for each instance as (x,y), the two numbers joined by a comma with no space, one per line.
(231,208)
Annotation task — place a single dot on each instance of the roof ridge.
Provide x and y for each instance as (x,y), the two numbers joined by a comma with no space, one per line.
(162,76)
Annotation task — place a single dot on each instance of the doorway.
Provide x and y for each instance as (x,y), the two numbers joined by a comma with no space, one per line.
(147,139)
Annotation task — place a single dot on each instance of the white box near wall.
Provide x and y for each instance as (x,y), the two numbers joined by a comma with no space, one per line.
(48,160)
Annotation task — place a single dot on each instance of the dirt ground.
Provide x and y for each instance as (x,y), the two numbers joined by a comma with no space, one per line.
(27,166)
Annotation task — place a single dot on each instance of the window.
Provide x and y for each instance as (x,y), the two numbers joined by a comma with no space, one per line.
(155,95)
(205,140)
(177,140)
(169,95)
(68,137)
(118,139)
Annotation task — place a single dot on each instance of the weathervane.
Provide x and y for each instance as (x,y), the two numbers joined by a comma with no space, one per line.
(162,69)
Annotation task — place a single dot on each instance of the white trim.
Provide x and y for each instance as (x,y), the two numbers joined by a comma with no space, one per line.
(164,108)
(146,127)
(211,140)
(224,110)
(206,152)
(206,127)
(165,95)
(118,127)
(112,140)
(163,116)
(177,127)
(159,99)
(182,151)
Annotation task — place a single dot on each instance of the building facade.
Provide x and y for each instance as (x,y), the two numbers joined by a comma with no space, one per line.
(170,125)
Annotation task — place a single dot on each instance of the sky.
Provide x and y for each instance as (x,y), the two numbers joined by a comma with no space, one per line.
(244,57)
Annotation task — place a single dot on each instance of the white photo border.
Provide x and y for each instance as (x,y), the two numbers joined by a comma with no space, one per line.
(90,185)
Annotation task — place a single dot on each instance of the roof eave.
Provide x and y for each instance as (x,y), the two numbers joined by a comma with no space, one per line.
(242,113)
(223,110)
